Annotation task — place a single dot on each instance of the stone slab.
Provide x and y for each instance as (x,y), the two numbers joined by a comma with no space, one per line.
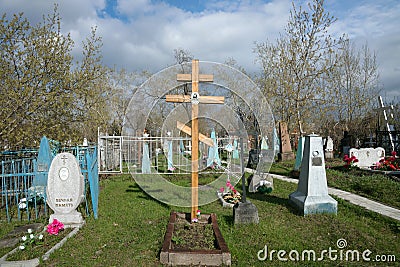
(13,238)
(245,213)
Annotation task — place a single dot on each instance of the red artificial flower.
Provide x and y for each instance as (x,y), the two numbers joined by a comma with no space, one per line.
(55,227)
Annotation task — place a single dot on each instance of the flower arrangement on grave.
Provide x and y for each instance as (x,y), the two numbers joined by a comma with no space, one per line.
(387,164)
(350,161)
(55,227)
(230,194)
(264,187)
(36,244)
(30,240)
(195,220)
(36,196)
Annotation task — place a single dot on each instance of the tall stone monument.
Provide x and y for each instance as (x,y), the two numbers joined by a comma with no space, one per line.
(312,196)
(65,190)
(286,148)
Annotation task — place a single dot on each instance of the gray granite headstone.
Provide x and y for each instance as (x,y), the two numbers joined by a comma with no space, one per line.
(312,192)
(245,213)
(65,188)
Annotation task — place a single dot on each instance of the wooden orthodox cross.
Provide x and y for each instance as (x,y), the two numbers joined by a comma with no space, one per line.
(195,99)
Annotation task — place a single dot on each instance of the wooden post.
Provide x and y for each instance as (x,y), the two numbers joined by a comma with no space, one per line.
(195,141)
(195,78)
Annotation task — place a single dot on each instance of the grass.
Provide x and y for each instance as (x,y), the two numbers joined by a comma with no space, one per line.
(375,186)
(131,227)
(38,250)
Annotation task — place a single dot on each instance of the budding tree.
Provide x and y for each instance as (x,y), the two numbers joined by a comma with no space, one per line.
(294,66)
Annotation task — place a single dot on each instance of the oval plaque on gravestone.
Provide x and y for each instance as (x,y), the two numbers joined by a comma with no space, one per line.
(65,184)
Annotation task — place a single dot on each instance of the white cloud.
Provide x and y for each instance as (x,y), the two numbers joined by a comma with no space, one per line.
(376,24)
(149,31)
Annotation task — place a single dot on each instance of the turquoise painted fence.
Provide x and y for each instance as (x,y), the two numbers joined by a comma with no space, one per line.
(24,181)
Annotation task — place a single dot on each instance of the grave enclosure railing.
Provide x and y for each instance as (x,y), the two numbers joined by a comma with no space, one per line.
(126,154)
(23,194)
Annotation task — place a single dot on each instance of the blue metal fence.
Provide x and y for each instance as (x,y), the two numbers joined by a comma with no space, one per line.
(24,181)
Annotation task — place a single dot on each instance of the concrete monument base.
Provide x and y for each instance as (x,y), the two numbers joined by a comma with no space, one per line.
(72,219)
(313,204)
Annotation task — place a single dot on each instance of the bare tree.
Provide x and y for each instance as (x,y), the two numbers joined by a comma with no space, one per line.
(293,68)
(354,89)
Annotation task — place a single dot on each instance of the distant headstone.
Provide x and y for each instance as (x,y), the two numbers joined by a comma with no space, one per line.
(65,190)
(286,148)
(329,148)
(213,156)
(312,196)
(42,166)
(146,156)
(345,143)
(367,157)
(299,154)
(43,162)
(277,142)
(260,179)
(235,154)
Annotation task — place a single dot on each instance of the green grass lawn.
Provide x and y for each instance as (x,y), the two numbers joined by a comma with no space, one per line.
(131,227)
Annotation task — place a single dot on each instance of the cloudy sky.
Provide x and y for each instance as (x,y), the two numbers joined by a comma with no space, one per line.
(142,34)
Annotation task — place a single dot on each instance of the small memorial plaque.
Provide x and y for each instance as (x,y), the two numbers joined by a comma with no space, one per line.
(317,161)
(42,167)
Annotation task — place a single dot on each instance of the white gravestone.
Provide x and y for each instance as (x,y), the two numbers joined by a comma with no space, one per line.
(65,188)
(260,179)
(312,196)
(367,157)
(329,148)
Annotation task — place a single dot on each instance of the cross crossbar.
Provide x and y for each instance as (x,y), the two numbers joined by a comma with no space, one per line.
(202,138)
(202,99)
(185,77)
